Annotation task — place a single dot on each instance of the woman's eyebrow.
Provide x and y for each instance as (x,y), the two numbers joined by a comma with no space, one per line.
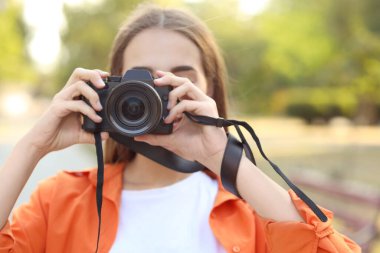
(173,70)
(182,68)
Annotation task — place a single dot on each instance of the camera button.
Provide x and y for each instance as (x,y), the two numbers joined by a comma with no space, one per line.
(165,97)
(114,79)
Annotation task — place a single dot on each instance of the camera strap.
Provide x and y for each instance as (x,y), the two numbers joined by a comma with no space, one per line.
(99,183)
(220,122)
(230,162)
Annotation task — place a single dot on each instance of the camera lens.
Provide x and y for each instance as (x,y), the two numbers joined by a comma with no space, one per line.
(134,108)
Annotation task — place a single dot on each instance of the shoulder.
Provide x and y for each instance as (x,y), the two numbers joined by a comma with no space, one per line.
(78,183)
(54,193)
(68,177)
(81,178)
(64,182)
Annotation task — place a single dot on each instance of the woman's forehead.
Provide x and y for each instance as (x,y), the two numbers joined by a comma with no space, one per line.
(162,49)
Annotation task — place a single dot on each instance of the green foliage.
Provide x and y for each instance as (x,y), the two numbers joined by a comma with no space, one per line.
(326,51)
(88,36)
(297,44)
(312,103)
(15,66)
(368,84)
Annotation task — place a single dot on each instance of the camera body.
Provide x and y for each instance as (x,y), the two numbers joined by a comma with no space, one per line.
(132,105)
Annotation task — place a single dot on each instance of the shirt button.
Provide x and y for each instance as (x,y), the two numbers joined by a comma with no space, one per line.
(236,249)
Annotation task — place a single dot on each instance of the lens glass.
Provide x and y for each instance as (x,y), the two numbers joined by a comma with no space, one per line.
(133,108)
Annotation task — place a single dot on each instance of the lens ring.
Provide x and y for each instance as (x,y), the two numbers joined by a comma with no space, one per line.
(140,91)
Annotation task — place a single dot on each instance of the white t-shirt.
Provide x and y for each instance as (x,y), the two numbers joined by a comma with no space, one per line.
(174,218)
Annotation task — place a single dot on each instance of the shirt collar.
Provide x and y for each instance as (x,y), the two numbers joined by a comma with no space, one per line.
(223,195)
(113,180)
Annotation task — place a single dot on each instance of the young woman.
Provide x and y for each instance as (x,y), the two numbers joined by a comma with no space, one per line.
(148,207)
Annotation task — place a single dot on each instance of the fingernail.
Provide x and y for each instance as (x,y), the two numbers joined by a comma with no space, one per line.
(166,120)
(160,73)
(158,80)
(101,82)
(99,106)
(99,119)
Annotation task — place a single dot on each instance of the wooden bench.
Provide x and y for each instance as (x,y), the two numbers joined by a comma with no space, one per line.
(361,226)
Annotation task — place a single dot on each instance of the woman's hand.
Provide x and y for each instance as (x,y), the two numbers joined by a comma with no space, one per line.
(189,140)
(60,125)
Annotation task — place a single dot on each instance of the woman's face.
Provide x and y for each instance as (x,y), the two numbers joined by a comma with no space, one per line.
(162,49)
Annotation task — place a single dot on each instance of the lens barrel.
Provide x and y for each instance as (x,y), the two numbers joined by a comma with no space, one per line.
(134,108)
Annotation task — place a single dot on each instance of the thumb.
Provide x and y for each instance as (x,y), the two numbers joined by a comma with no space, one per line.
(89,138)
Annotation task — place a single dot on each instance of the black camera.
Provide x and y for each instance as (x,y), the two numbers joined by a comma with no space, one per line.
(132,105)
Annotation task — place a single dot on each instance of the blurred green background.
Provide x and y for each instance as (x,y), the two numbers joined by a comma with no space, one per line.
(314,60)
(305,74)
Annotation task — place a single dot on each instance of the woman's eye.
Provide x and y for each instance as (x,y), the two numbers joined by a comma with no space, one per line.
(187,74)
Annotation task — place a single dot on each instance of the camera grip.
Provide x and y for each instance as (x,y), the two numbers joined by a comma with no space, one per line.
(88,124)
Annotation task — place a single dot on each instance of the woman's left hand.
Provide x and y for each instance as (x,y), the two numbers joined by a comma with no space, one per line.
(189,140)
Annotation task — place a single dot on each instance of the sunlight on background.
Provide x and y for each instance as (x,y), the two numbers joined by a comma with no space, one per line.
(46,20)
(252,7)
(15,104)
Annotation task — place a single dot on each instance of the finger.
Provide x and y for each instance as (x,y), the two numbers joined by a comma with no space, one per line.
(81,88)
(102,73)
(170,79)
(80,107)
(187,90)
(183,106)
(161,73)
(94,76)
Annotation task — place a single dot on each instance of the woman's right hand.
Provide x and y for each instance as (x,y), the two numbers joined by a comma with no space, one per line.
(61,124)
(59,127)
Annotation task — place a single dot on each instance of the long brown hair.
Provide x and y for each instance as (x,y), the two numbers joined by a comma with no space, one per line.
(151,16)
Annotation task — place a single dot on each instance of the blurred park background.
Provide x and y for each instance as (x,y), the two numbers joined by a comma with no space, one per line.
(305,74)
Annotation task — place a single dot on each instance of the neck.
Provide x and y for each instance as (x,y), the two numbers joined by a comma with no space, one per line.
(142,173)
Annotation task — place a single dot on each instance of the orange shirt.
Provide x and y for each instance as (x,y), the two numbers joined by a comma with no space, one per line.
(62,217)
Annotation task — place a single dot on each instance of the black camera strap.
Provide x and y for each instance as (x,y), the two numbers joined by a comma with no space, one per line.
(99,184)
(159,154)
(231,160)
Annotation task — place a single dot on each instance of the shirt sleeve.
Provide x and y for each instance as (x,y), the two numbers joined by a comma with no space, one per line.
(26,232)
(312,235)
